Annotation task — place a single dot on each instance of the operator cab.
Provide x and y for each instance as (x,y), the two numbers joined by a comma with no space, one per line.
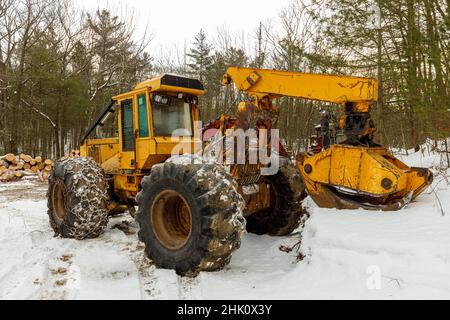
(145,124)
(173,105)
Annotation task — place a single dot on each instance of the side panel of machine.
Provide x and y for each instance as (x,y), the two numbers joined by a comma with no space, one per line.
(100,150)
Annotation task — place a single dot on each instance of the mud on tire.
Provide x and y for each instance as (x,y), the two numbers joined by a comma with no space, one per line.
(77,198)
(285,215)
(190,217)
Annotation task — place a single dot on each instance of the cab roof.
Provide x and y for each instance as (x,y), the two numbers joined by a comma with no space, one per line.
(169,82)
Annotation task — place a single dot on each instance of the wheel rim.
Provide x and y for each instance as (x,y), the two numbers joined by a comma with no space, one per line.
(171,219)
(59,200)
(266,212)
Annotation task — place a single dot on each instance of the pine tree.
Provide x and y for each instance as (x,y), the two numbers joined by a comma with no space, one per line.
(118,62)
(200,56)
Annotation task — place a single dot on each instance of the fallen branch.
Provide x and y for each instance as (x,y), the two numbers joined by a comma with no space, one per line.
(40,113)
(398,281)
(439,202)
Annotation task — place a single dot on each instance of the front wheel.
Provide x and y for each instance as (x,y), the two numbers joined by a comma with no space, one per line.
(190,217)
(77,198)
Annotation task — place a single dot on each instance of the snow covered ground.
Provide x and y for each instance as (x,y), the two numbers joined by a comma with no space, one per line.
(348,254)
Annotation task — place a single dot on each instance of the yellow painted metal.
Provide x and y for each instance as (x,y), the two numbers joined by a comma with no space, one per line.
(330,88)
(188,145)
(144,148)
(100,150)
(126,158)
(127,185)
(148,150)
(83,149)
(362,171)
(153,145)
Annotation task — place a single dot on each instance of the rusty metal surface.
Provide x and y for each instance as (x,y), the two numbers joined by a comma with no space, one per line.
(246,174)
(263,199)
(325,197)
(262,116)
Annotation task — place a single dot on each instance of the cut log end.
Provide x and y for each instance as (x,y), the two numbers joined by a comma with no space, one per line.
(10,157)
(13,168)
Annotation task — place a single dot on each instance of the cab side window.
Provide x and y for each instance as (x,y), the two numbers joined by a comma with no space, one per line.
(143,116)
(126,107)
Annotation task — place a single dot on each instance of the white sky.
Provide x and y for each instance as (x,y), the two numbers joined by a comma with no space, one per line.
(175,22)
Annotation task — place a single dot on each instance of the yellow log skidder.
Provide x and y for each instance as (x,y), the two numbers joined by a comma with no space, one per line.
(191,213)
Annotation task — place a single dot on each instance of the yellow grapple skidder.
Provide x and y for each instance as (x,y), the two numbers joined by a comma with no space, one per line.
(191,214)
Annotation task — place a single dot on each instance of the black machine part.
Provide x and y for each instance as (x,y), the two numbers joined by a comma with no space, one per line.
(109,108)
(359,128)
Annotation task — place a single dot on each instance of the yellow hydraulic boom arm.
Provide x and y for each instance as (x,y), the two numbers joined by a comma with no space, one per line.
(355,93)
(362,92)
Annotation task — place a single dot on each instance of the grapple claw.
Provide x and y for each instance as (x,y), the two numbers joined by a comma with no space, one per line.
(348,177)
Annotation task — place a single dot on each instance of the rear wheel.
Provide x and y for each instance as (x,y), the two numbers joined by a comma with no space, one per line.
(287,191)
(190,217)
(171,219)
(77,199)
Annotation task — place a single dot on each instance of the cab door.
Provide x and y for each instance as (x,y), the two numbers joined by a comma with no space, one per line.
(127,134)
(145,144)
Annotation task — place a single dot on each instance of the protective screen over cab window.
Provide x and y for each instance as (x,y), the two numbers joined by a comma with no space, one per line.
(171,117)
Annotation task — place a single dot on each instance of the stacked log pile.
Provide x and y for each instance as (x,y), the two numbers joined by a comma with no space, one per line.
(15,167)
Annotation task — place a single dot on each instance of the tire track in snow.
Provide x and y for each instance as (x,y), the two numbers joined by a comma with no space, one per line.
(31,255)
(148,280)
(31,274)
(62,279)
(189,288)
(150,287)
(36,247)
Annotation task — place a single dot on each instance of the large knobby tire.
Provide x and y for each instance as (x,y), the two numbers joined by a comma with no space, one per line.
(190,217)
(287,193)
(77,198)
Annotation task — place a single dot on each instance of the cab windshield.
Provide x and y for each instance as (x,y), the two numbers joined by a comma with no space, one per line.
(171,117)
